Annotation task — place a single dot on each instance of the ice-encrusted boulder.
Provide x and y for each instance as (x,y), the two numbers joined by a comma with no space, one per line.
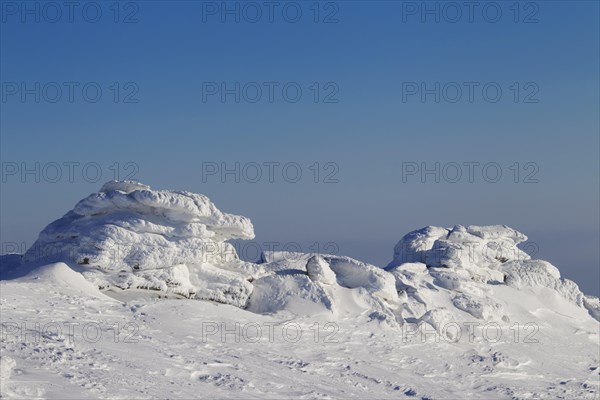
(130,236)
(460,268)
(413,246)
(460,247)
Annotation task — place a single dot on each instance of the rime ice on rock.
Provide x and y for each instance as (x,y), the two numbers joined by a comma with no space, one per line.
(130,236)
(463,265)
(460,247)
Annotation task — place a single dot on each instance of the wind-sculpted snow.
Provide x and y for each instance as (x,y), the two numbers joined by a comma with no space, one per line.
(318,270)
(306,284)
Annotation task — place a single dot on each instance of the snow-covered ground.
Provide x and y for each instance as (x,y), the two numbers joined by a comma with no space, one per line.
(136,293)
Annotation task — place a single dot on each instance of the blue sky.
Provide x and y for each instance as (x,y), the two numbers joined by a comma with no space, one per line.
(363,130)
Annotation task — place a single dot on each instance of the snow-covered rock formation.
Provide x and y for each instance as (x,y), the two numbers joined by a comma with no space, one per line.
(460,271)
(469,247)
(130,236)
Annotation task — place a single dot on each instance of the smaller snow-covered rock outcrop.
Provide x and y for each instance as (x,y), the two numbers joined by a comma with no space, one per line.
(460,247)
(463,268)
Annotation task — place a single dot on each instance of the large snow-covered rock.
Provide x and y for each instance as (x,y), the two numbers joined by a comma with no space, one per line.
(130,236)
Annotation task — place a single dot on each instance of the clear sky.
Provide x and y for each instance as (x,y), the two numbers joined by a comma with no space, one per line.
(367,94)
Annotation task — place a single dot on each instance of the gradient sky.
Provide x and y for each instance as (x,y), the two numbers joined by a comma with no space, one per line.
(173,51)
